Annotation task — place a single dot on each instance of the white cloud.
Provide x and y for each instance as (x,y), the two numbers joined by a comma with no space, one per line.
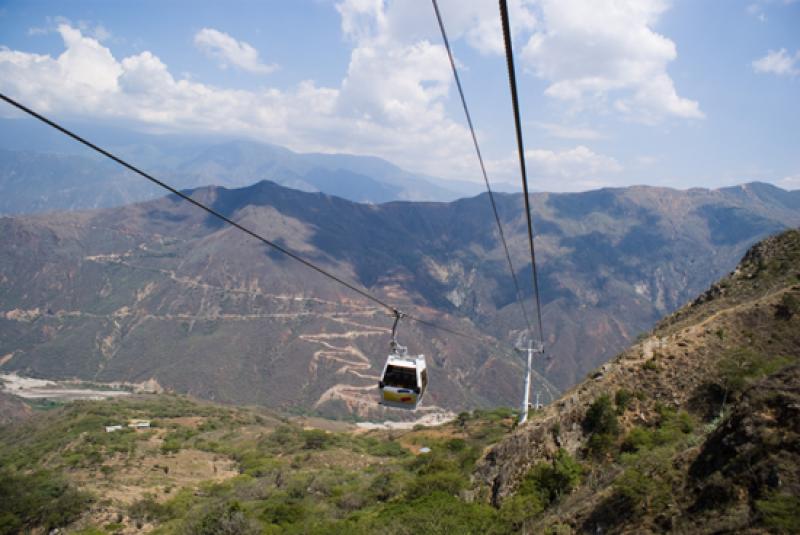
(396,113)
(477,21)
(228,51)
(778,62)
(790,182)
(579,162)
(575,169)
(53,24)
(569,132)
(757,8)
(590,50)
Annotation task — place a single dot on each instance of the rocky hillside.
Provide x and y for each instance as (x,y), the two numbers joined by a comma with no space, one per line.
(159,291)
(694,429)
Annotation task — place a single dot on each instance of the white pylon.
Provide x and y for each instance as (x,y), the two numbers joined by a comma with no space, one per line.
(523,417)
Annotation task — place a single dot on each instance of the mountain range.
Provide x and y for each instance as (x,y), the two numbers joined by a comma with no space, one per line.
(692,429)
(160,290)
(32,181)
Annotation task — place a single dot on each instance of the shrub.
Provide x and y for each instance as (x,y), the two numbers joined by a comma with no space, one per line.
(651,365)
(601,418)
(282,510)
(517,510)
(435,514)
(602,425)
(622,399)
(739,367)
(224,519)
(549,481)
(788,307)
(445,482)
(780,512)
(646,483)
(148,510)
(456,444)
(387,485)
(38,500)
(317,439)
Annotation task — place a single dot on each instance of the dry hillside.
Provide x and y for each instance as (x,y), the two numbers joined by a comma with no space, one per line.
(692,429)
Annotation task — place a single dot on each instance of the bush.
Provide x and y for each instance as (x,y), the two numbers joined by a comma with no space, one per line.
(38,500)
(444,482)
(435,514)
(646,484)
(517,510)
(317,439)
(224,519)
(387,485)
(651,365)
(388,448)
(622,399)
(788,307)
(602,425)
(549,481)
(148,510)
(601,418)
(671,428)
(740,366)
(780,512)
(456,444)
(282,510)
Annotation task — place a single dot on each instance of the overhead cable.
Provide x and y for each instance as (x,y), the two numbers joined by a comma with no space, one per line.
(512,80)
(483,167)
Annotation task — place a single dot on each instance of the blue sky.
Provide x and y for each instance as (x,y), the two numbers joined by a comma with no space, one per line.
(692,93)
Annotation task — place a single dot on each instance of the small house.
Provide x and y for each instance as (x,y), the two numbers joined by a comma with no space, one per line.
(139,424)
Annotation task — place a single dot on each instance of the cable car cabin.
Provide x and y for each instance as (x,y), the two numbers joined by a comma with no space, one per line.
(403,381)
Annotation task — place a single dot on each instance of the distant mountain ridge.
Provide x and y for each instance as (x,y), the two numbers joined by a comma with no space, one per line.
(160,290)
(32,182)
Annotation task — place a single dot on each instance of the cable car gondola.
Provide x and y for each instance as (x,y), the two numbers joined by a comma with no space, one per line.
(404,378)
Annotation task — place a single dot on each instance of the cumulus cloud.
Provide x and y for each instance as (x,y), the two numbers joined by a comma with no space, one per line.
(230,52)
(575,169)
(593,50)
(568,131)
(392,113)
(391,100)
(778,62)
(790,182)
(476,22)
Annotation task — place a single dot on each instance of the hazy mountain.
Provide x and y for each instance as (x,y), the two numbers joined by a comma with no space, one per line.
(160,290)
(74,178)
(35,182)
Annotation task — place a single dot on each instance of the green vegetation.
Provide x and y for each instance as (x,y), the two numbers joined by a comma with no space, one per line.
(602,426)
(543,486)
(622,399)
(780,512)
(740,367)
(37,499)
(549,481)
(290,479)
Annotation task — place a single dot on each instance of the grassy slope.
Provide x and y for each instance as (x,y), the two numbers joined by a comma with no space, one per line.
(206,468)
